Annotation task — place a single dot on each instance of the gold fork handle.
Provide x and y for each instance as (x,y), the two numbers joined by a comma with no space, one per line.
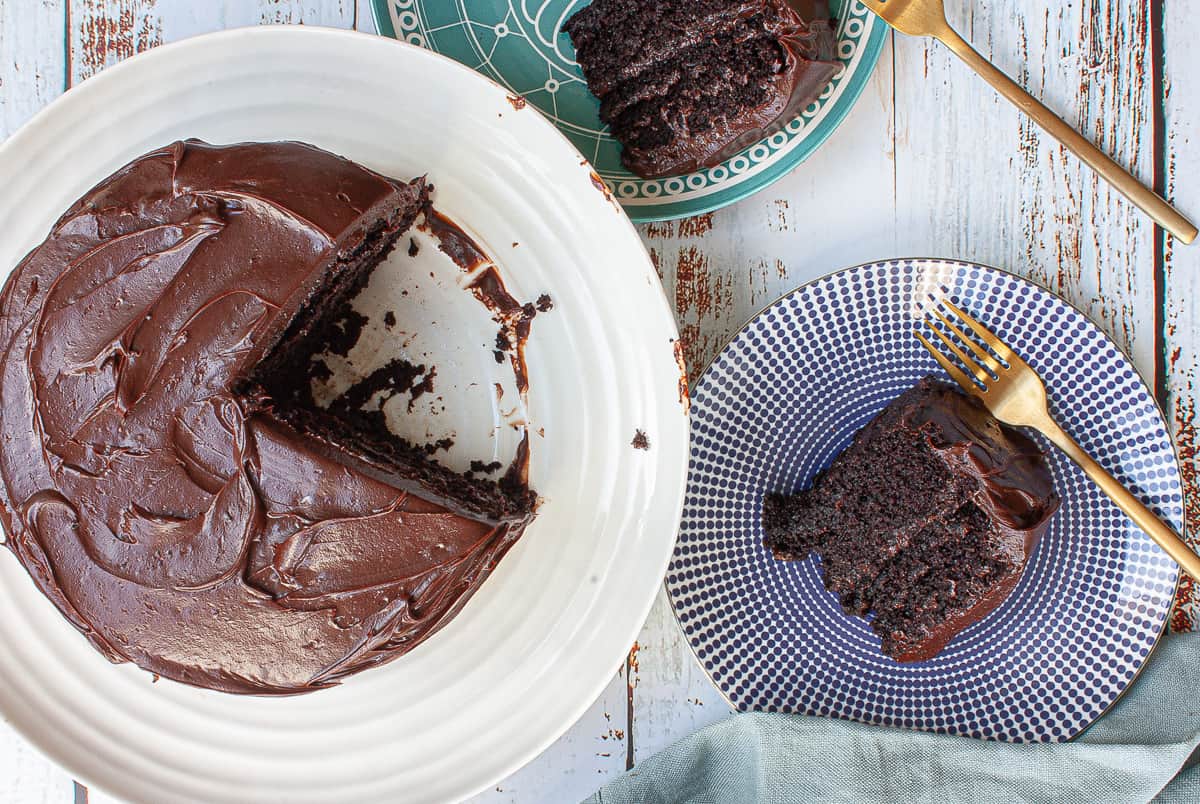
(1142,516)
(1163,213)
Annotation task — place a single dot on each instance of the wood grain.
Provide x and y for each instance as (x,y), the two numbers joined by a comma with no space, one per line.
(1180,168)
(103,32)
(26,776)
(593,751)
(835,210)
(720,268)
(977,180)
(930,162)
(33,59)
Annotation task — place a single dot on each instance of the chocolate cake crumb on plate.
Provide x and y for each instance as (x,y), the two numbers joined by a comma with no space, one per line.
(925,521)
(685,84)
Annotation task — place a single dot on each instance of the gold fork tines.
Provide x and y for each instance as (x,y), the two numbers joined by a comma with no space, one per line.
(928,18)
(987,368)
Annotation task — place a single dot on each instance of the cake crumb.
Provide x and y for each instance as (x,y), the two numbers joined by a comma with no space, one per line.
(413,248)
(684,397)
(319,370)
(389,319)
(640,441)
(441,444)
(518,103)
(347,327)
(544,303)
(603,187)
(515,244)
(425,386)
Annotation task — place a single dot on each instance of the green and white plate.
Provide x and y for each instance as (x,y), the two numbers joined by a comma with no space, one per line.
(521,45)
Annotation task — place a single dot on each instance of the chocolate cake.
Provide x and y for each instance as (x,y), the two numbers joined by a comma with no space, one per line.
(685,84)
(162,477)
(925,521)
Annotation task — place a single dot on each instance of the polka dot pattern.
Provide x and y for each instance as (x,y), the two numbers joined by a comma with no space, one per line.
(789,393)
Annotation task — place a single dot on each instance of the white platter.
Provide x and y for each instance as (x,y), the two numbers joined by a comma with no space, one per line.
(544,635)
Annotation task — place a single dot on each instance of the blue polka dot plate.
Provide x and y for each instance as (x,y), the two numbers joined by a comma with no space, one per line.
(521,45)
(789,392)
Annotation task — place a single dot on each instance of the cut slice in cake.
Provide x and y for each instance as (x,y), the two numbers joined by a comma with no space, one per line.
(926,520)
(685,84)
(281,383)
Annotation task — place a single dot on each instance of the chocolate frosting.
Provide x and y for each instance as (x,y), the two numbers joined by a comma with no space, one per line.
(1014,487)
(172,524)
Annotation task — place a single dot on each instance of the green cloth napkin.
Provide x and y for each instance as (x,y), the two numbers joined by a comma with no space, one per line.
(1138,752)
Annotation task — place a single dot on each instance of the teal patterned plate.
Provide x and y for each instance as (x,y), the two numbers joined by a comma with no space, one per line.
(520,44)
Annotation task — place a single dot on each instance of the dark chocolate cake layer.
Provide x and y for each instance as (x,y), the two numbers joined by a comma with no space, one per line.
(925,520)
(175,522)
(685,84)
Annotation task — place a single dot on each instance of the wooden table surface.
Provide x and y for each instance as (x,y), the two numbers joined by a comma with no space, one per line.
(929,163)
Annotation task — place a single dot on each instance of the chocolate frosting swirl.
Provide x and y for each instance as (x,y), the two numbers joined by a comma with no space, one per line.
(1014,488)
(170,522)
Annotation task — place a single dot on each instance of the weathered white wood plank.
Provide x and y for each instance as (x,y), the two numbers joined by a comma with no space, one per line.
(672,695)
(32,59)
(969,178)
(835,210)
(27,777)
(593,751)
(978,180)
(104,32)
(1181,267)
(363,20)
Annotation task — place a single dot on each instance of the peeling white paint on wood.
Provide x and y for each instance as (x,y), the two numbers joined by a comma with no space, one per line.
(33,59)
(977,180)
(106,31)
(1181,269)
(27,777)
(929,163)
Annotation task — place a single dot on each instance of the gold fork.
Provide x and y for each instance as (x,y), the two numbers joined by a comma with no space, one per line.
(928,18)
(1016,395)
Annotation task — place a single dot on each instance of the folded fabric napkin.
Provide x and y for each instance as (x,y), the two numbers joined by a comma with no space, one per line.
(1140,751)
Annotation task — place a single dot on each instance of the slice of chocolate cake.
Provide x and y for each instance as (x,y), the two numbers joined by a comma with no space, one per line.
(685,84)
(926,520)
